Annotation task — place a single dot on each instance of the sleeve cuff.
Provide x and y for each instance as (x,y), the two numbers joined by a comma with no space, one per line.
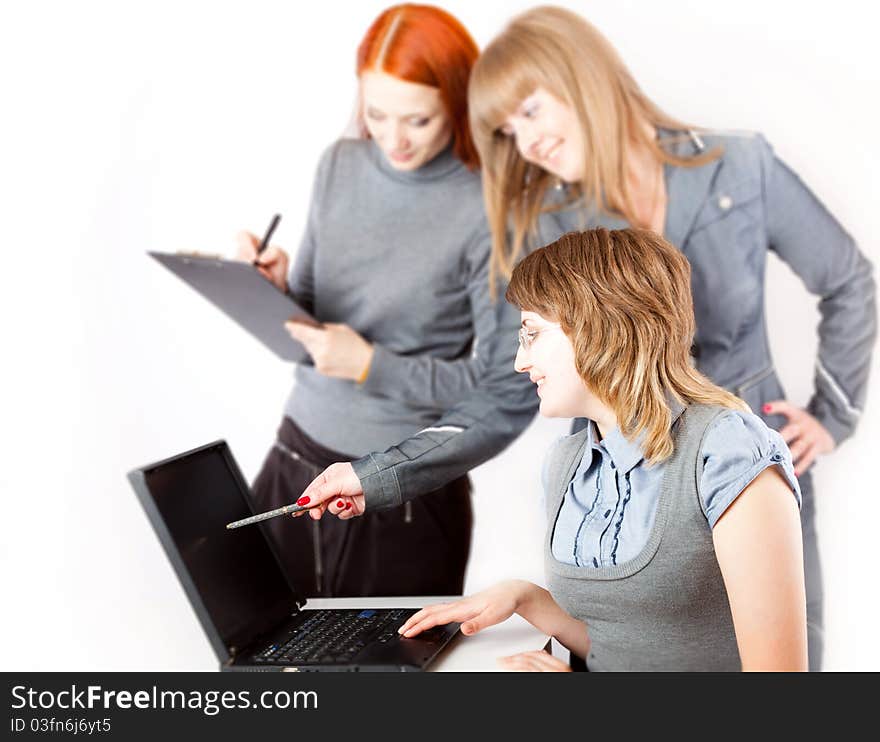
(840,429)
(380,486)
(724,500)
(381,372)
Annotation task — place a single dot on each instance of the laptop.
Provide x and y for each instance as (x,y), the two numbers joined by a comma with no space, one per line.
(253,618)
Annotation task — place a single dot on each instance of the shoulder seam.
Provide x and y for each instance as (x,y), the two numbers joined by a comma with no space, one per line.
(719,413)
(738,133)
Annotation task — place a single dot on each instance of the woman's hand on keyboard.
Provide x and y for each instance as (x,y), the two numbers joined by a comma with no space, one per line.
(475,612)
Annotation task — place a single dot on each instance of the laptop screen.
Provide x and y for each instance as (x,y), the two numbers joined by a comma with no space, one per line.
(235,571)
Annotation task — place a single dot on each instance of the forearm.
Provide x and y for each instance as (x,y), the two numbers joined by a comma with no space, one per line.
(536,605)
(467,435)
(847,335)
(421,379)
(827,259)
(426,380)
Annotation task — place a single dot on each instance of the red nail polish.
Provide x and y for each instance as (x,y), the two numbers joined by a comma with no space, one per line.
(303,501)
(347,505)
(766,408)
(340,504)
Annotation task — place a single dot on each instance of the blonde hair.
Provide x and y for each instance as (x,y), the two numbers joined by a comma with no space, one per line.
(623,298)
(557,50)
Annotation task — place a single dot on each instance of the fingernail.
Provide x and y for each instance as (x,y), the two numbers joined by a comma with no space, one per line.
(347,505)
(766,408)
(340,504)
(304,500)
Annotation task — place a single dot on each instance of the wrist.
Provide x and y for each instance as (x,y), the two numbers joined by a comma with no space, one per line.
(526,595)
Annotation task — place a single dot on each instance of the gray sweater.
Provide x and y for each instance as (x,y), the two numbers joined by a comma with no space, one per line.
(667,608)
(402,258)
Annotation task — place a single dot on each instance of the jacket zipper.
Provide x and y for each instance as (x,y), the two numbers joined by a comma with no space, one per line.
(407,511)
(316,524)
(752,381)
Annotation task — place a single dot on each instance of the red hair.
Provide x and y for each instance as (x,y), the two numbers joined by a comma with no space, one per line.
(426,45)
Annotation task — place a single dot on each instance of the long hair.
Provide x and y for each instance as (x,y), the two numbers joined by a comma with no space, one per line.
(557,50)
(426,45)
(623,298)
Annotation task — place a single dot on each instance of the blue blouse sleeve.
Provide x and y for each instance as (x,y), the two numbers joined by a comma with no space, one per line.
(737,447)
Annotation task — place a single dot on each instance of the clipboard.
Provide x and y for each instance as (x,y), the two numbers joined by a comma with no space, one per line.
(244,295)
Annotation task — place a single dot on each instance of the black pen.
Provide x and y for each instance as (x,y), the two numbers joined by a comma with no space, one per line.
(265,243)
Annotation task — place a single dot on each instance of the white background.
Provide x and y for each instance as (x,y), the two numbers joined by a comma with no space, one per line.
(169,126)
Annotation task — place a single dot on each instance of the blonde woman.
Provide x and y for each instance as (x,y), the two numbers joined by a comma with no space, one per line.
(673,538)
(561,124)
(567,140)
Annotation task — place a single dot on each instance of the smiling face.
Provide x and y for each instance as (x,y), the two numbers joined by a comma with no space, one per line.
(408,121)
(548,134)
(549,362)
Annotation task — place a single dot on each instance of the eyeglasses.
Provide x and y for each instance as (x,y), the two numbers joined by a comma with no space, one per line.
(527,337)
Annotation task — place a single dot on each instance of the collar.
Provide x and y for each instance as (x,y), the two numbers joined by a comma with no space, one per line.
(444,164)
(626,454)
(686,187)
(686,192)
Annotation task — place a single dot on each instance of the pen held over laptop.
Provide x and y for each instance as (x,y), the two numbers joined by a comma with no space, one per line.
(254,617)
(292,508)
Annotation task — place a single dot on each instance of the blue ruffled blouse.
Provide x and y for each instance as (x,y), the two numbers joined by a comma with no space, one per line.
(608,509)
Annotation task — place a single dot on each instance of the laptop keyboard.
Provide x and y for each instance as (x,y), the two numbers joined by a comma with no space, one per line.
(334,636)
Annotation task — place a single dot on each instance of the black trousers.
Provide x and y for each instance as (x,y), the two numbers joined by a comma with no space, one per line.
(419,548)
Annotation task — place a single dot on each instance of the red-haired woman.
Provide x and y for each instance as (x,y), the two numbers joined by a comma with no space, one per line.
(394,264)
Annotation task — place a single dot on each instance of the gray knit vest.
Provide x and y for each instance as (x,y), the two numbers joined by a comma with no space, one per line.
(667,608)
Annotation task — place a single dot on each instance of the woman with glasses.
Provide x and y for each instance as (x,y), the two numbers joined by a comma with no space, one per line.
(673,538)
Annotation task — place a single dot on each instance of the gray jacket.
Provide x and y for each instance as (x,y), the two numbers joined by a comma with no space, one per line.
(724,216)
